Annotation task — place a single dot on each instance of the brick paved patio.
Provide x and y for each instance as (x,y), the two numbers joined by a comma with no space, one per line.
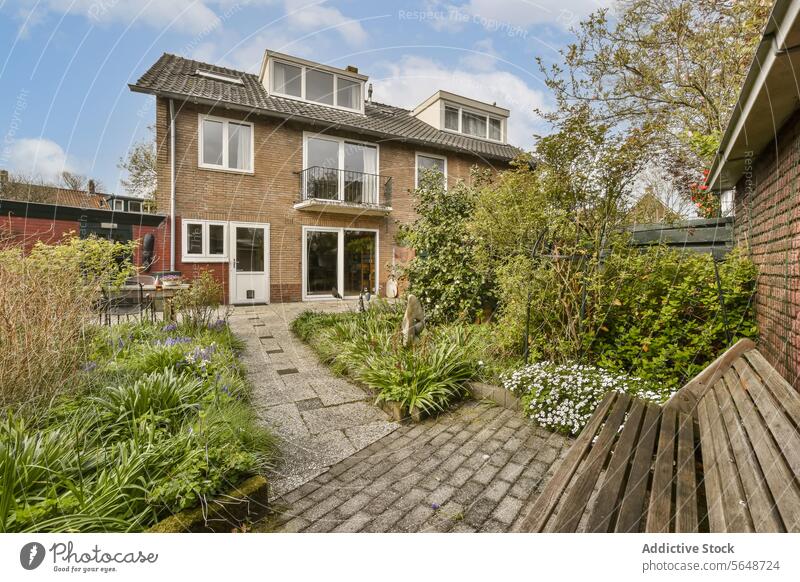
(477,468)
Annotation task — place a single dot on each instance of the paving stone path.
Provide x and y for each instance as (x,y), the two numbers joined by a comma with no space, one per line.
(319,419)
(477,468)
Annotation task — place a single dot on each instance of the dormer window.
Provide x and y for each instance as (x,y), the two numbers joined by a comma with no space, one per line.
(307,81)
(458,114)
(472,123)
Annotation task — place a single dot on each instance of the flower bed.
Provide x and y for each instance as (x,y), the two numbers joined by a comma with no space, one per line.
(562,397)
(159,423)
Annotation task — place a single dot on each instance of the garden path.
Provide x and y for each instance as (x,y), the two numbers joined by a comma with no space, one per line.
(318,418)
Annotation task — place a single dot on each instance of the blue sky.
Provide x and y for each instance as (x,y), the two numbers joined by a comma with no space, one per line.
(65,64)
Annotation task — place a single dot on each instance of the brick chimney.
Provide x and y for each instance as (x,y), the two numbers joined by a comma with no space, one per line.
(3,178)
(90,187)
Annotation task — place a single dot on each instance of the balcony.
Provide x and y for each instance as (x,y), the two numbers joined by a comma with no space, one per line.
(344,192)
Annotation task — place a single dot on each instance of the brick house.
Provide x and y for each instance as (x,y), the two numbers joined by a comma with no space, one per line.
(290,185)
(759,157)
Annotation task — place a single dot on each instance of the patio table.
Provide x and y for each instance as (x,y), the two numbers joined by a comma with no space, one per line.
(162,298)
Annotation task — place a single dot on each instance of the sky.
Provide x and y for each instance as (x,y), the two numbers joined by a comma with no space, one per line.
(65,65)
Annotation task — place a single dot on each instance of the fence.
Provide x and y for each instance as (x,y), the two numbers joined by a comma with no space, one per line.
(714,235)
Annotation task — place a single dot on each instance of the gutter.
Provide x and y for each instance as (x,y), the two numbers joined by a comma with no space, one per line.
(780,21)
(312,121)
(171,185)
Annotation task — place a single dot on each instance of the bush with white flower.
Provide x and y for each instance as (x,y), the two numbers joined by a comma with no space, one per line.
(563,397)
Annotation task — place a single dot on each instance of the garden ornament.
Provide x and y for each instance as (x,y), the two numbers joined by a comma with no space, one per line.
(413,321)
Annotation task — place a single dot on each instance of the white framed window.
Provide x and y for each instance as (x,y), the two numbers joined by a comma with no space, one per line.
(473,123)
(307,83)
(118,205)
(134,206)
(225,144)
(336,168)
(204,241)
(430,162)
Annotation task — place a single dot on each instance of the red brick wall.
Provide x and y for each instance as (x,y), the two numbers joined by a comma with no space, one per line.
(767,219)
(268,194)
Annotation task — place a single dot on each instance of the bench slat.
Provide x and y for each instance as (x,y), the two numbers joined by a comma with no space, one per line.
(686,488)
(659,514)
(631,512)
(775,410)
(780,388)
(714,482)
(548,499)
(608,498)
(569,515)
(759,501)
(733,500)
(778,453)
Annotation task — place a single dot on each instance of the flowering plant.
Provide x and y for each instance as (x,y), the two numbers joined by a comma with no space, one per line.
(563,397)
(705,200)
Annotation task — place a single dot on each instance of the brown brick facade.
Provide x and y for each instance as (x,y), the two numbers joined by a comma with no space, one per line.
(767,219)
(268,195)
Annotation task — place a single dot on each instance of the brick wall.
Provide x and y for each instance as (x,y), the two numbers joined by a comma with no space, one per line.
(268,195)
(767,219)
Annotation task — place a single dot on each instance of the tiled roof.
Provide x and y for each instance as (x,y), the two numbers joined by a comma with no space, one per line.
(43,194)
(176,76)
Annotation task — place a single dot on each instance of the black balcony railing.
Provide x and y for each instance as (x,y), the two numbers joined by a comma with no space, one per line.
(319,183)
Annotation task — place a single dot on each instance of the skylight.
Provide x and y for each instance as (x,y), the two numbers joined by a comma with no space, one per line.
(220,77)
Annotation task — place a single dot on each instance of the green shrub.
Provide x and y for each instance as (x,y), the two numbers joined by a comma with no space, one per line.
(46,301)
(443,273)
(664,321)
(198,305)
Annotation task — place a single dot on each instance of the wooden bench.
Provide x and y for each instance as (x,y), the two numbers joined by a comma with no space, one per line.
(722,455)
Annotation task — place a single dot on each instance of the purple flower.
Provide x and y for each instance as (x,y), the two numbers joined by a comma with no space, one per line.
(435,506)
(218,325)
(89,366)
(170,327)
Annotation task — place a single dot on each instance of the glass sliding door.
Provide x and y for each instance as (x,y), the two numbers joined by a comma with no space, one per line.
(322,262)
(339,261)
(359,261)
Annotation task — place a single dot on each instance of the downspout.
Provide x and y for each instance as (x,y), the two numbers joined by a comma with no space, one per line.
(171,185)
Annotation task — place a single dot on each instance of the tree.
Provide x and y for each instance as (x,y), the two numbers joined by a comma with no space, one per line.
(140,166)
(73,181)
(671,68)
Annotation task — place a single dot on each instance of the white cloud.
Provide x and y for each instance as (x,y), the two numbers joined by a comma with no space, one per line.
(39,157)
(411,80)
(312,16)
(192,16)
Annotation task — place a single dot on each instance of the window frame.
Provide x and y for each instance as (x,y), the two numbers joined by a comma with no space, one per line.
(117,202)
(201,117)
(141,206)
(341,141)
(460,131)
(417,155)
(303,70)
(205,256)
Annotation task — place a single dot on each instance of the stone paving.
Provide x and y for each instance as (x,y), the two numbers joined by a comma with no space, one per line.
(319,419)
(477,468)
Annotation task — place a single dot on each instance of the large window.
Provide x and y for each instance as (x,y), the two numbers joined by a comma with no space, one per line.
(204,241)
(226,144)
(339,169)
(316,85)
(431,163)
(472,123)
(339,261)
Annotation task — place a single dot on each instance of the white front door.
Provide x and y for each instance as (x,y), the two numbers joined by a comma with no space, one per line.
(249,269)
